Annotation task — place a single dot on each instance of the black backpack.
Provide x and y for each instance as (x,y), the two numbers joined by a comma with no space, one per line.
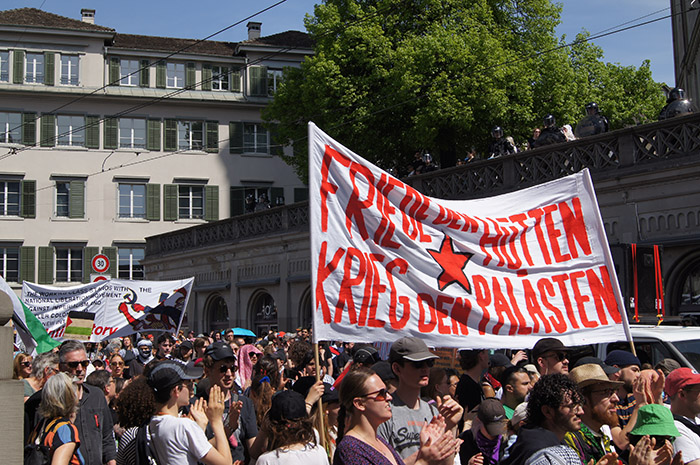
(35,452)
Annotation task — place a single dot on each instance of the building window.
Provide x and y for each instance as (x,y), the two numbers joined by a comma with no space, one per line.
(190,202)
(63,199)
(190,135)
(132,201)
(175,75)
(69,264)
(132,133)
(71,130)
(34,68)
(129,72)
(69,70)
(274,79)
(9,263)
(219,78)
(4,66)
(255,138)
(11,128)
(9,198)
(130,263)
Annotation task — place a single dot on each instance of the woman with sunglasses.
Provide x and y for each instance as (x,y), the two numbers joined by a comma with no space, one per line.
(248,355)
(116,364)
(22,366)
(364,405)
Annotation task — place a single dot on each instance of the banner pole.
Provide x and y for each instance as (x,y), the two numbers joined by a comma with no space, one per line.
(319,415)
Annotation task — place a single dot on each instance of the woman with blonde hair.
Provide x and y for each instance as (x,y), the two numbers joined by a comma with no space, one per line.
(116,365)
(22,366)
(56,431)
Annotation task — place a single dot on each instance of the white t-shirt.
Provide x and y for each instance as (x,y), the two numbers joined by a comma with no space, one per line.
(308,455)
(178,440)
(688,442)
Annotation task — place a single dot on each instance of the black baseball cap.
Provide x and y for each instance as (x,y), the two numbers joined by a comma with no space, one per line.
(409,348)
(383,370)
(219,350)
(493,416)
(168,374)
(546,345)
(287,405)
(622,358)
(366,354)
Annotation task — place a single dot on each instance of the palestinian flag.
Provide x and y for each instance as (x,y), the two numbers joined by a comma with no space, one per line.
(79,326)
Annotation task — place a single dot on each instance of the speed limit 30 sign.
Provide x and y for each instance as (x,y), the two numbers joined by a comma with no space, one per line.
(100,263)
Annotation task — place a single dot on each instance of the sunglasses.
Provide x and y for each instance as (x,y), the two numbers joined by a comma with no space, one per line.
(423,363)
(252,354)
(561,356)
(74,365)
(381,395)
(26,364)
(117,364)
(225,368)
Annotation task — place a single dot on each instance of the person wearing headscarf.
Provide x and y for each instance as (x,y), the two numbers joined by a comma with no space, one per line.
(248,355)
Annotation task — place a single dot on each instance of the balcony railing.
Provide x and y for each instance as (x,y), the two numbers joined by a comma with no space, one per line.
(606,155)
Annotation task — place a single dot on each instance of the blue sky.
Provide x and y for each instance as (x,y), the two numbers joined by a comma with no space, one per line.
(177,18)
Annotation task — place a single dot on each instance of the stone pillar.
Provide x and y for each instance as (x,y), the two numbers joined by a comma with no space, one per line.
(11,392)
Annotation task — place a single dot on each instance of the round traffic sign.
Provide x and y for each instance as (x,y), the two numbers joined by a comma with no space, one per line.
(100,263)
(99,278)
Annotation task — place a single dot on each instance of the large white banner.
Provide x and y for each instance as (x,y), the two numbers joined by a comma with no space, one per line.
(107,309)
(499,272)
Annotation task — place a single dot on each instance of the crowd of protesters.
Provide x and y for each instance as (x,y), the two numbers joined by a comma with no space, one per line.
(224,399)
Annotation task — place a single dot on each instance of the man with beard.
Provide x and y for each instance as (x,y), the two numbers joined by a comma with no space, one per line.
(594,439)
(553,409)
(516,386)
(630,369)
(144,357)
(239,414)
(550,356)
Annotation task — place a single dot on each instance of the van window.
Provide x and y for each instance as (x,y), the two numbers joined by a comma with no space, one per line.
(691,351)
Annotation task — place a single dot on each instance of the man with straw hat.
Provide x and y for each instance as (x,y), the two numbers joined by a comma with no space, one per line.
(594,439)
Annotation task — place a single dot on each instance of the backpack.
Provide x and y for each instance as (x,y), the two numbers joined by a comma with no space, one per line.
(145,455)
(35,452)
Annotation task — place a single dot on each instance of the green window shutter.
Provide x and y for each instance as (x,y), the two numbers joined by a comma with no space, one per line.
(235,81)
(153,202)
(48,130)
(18,66)
(277,194)
(145,74)
(76,200)
(170,202)
(258,81)
(212,135)
(211,208)
(160,74)
(88,253)
(301,194)
(46,265)
(29,128)
(111,253)
(110,133)
(92,132)
(28,199)
(49,68)
(170,135)
(153,137)
(190,77)
(235,137)
(113,71)
(237,201)
(206,76)
(26,264)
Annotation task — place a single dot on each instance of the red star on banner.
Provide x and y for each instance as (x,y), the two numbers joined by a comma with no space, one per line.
(452,264)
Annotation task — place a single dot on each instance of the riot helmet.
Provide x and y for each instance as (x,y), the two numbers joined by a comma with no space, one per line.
(676,94)
(549,121)
(591,109)
(497,132)
(427,158)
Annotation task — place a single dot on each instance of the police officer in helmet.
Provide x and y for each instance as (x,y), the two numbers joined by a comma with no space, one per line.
(551,134)
(593,123)
(500,145)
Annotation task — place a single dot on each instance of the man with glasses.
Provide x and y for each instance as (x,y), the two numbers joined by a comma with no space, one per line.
(239,414)
(683,388)
(93,420)
(594,439)
(553,409)
(550,356)
(411,362)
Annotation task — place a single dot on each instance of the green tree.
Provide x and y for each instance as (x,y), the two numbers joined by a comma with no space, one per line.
(390,77)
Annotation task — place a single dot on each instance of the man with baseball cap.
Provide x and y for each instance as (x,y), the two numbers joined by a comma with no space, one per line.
(550,356)
(683,389)
(239,414)
(630,369)
(411,362)
(487,436)
(180,440)
(594,439)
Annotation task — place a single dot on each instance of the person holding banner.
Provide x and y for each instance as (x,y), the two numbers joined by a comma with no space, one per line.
(364,407)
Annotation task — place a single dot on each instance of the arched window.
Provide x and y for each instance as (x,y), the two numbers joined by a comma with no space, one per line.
(217,313)
(264,313)
(305,309)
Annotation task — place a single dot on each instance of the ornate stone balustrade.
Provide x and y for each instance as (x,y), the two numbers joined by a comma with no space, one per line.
(607,155)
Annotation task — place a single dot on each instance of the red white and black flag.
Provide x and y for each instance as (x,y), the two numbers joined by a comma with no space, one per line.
(498,272)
